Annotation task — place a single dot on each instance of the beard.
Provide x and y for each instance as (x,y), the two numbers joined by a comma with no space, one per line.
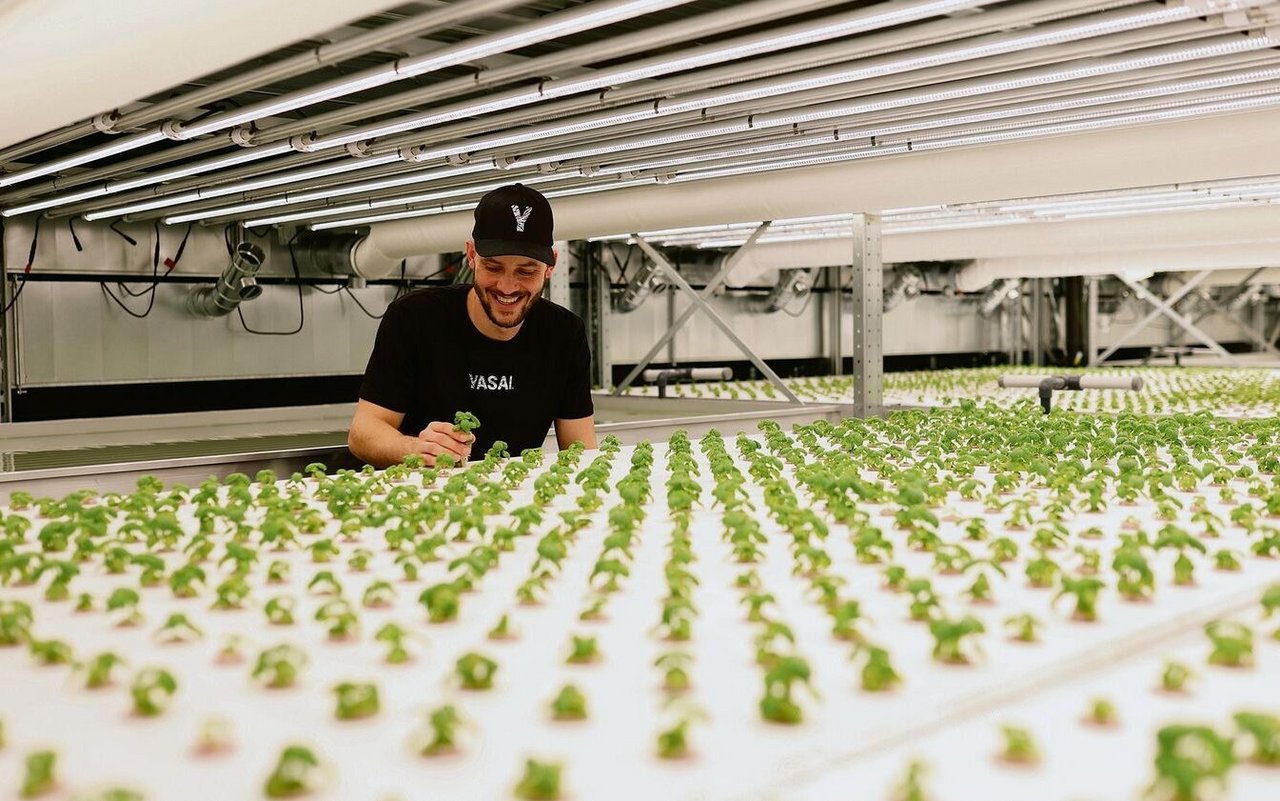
(503,316)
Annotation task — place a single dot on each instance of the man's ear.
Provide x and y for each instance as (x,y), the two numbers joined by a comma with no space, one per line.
(555,259)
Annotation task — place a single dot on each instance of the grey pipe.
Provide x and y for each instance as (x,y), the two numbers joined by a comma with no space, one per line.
(663,377)
(770,65)
(714,22)
(988,18)
(324,55)
(320,56)
(1073,382)
(862,123)
(236,284)
(612,47)
(1047,384)
(552,26)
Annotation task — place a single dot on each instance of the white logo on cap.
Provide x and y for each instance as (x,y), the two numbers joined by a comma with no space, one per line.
(521,219)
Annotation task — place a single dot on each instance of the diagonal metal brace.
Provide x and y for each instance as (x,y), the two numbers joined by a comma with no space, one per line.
(700,303)
(676,324)
(1150,318)
(1221,307)
(1180,320)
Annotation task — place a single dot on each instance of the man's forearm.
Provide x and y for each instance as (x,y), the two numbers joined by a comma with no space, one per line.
(379,444)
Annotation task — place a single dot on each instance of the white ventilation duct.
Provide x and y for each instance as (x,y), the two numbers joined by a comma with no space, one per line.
(1114,159)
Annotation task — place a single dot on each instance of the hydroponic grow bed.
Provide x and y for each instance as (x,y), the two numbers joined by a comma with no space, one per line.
(856,554)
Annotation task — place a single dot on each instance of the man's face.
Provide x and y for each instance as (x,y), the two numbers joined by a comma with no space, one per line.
(507,286)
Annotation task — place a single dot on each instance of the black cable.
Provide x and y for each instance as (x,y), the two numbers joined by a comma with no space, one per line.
(155,271)
(71,225)
(17,294)
(126,309)
(622,266)
(31,260)
(302,313)
(133,242)
(399,291)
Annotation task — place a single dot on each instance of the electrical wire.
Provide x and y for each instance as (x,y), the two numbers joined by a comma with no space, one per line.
(71,226)
(132,242)
(622,266)
(31,260)
(807,300)
(302,311)
(400,288)
(156,276)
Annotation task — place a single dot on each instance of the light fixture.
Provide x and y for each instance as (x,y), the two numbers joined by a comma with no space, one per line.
(122,144)
(242,156)
(220,190)
(341,190)
(427,212)
(858,21)
(1063,32)
(570,21)
(422,197)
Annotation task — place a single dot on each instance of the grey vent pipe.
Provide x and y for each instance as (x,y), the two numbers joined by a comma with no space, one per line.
(236,284)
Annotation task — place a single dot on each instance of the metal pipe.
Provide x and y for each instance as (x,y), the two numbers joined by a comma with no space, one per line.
(323,55)
(866,126)
(320,56)
(711,23)
(492,120)
(841,25)
(549,27)
(976,86)
(844,72)
(986,102)
(237,283)
(45,141)
(893,40)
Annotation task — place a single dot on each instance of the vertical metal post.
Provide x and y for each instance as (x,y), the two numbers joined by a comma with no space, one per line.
(1091,321)
(597,318)
(1258,311)
(868,317)
(1013,319)
(834,310)
(8,330)
(671,320)
(558,283)
(1037,321)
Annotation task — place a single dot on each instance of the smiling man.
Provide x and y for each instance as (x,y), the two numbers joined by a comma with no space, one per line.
(494,348)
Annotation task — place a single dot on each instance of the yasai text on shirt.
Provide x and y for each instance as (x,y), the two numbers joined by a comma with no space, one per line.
(492,381)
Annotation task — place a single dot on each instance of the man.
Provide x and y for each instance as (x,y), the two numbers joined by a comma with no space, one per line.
(494,348)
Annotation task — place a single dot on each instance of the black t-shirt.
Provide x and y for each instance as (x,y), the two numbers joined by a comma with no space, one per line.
(429,361)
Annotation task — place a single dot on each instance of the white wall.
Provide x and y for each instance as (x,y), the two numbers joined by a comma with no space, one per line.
(927,325)
(71,333)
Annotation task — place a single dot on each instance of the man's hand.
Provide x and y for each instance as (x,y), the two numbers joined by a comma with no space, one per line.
(439,437)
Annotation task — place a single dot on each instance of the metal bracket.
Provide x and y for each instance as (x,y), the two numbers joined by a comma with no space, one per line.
(1223,307)
(1146,321)
(1166,308)
(699,302)
(677,322)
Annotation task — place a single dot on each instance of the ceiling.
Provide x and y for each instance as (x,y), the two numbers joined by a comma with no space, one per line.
(419,108)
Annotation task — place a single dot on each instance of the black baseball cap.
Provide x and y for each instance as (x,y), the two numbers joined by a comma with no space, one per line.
(514,220)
